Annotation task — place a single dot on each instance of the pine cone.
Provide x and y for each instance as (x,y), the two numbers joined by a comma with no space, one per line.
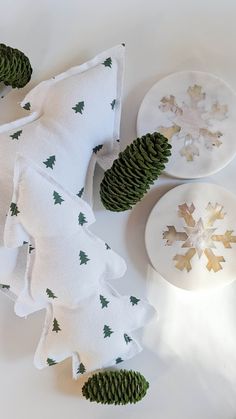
(15,68)
(115,387)
(136,168)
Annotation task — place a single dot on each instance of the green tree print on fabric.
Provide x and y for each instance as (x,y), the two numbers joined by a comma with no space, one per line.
(79,107)
(27,106)
(50,162)
(3,286)
(31,248)
(83,258)
(108,62)
(119,360)
(14,209)
(107,331)
(51,362)
(80,193)
(127,338)
(81,369)
(57,198)
(113,104)
(50,294)
(134,301)
(56,328)
(82,219)
(104,302)
(16,135)
(97,148)
(107,246)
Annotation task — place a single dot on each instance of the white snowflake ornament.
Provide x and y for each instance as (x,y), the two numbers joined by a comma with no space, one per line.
(191,236)
(196,112)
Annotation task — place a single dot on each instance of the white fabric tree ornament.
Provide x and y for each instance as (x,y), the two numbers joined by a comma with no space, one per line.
(68,270)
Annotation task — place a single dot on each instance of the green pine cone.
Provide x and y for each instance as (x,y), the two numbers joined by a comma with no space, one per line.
(115,387)
(15,68)
(136,168)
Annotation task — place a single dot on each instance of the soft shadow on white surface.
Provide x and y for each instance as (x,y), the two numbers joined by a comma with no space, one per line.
(19,337)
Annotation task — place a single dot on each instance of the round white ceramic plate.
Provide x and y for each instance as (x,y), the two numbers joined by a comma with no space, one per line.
(196,111)
(191,236)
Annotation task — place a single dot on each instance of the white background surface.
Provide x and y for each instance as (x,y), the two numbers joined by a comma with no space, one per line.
(190,354)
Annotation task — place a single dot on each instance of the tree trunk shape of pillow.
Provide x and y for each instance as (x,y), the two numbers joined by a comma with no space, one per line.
(73,122)
(68,273)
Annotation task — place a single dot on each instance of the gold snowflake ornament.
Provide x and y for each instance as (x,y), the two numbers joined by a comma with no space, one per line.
(192,121)
(199,237)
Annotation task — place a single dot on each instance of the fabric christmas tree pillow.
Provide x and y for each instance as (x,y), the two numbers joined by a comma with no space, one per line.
(73,122)
(98,333)
(66,262)
(68,270)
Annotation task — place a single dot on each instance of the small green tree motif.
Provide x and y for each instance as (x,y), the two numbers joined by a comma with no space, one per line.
(119,360)
(107,246)
(3,286)
(14,209)
(16,135)
(134,301)
(79,107)
(57,198)
(83,258)
(50,162)
(113,104)
(107,331)
(51,362)
(104,302)
(108,62)
(82,219)
(97,148)
(50,294)
(127,338)
(27,106)
(31,248)
(81,369)
(56,328)
(80,193)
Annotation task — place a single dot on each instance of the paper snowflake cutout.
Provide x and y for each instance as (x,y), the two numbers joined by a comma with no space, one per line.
(192,121)
(199,237)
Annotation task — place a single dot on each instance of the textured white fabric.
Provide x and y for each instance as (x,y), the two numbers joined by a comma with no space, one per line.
(96,334)
(68,270)
(73,122)
(64,259)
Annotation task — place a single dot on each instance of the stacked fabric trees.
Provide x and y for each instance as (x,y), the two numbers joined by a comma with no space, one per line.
(68,270)
(73,122)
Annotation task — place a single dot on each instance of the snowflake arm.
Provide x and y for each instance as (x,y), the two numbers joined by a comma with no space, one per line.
(215,212)
(213,261)
(225,239)
(171,235)
(169,104)
(186,212)
(184,261)
(169,132)
(217,112)
(196,94)
(189,151)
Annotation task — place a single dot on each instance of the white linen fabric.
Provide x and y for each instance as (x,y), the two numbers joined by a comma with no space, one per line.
(66,262)
(73,122)
(67,273)
(96,334)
